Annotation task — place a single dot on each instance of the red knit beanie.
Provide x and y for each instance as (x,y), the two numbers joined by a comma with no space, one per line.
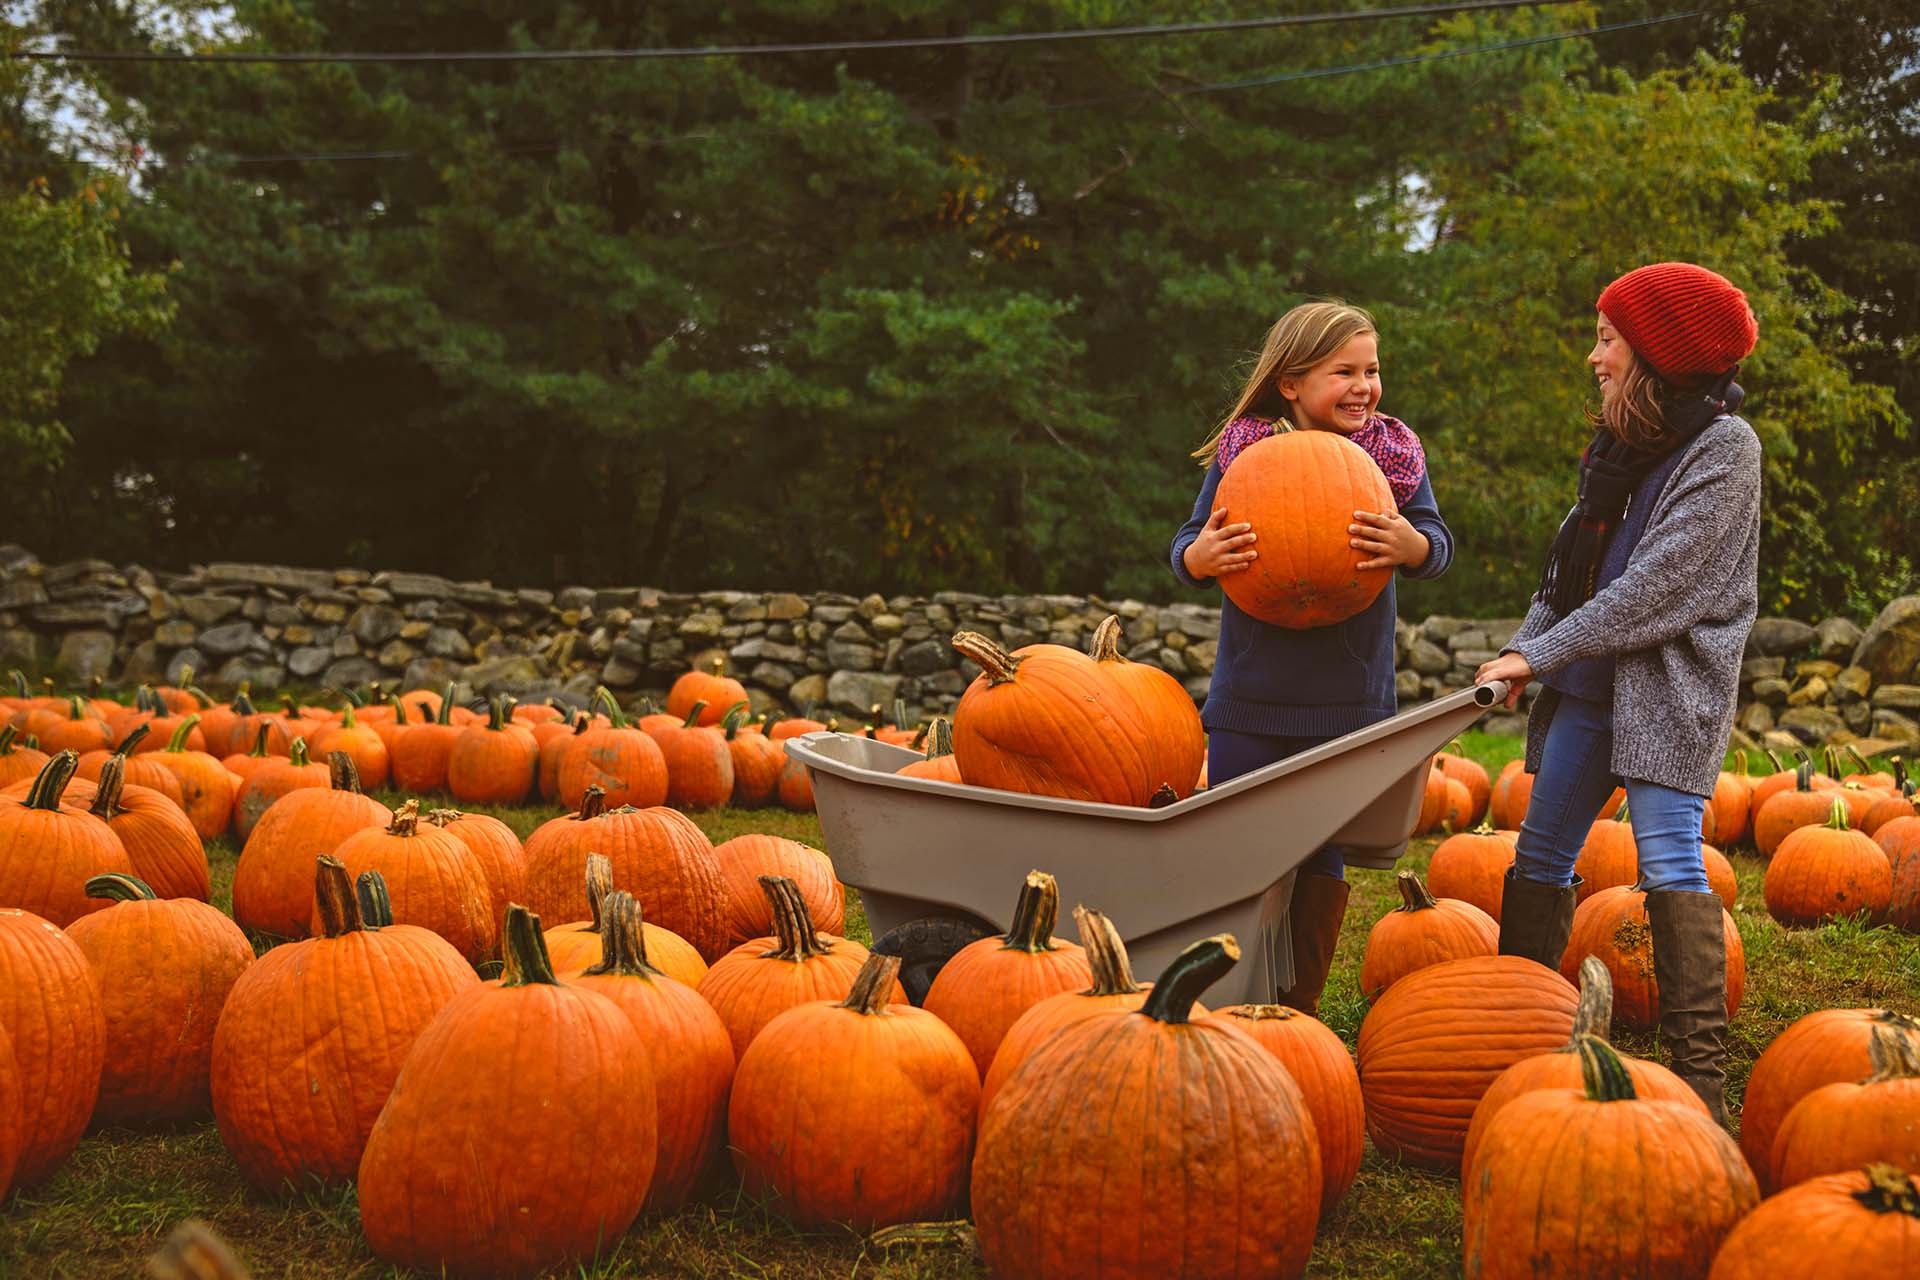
(1682,319)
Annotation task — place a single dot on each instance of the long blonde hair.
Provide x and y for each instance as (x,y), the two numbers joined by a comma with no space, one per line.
(1299,340)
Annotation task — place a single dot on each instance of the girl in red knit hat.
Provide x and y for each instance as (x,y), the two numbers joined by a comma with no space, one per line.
(1636,635)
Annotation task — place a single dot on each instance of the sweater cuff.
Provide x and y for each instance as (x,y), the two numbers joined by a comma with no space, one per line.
(1557,647)
(1180,567)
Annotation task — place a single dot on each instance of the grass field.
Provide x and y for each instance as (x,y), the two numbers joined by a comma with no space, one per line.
(123,1191)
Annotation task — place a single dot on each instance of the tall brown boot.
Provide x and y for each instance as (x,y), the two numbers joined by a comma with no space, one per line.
(1690,968)
(1313,919)
(1536,919)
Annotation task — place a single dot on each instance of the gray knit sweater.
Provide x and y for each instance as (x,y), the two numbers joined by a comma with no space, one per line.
(1676,621)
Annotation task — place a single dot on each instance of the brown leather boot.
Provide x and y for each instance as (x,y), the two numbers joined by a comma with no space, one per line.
(1536,919)
(1313,919)
(1690,968)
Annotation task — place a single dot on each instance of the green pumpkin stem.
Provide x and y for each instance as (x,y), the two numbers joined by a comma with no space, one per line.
(994,662)
(740,708)
(497,714)
(132,739)
(445,714)
(51,782)
(623,938)
(242,705)
(1414,894)
(1593,1015)
(20,686)
(693,715)
(1837,817)
(297,753)
(873,986)
(1890,1190)
(1803,776)
(526,950)
(376,905)
(399,708)
(1106,955)
(342,773)
(334,899)
(798,941)
(260,742)
(198,694)
(178,742)
(76,707)
(106,795)
(1604,1075)
(121,888)
(1187,975)
(1034,915)
(1621,814)
(7,734)
(603,696)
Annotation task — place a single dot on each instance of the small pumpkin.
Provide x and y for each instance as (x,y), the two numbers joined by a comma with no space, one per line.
(1899,839)
(712,687)
(420,753)
(492,763)
(162,846)
(432,880)
(360,741)
(273,781)
(619,759)
(1472,775)
(496,852)
(1862,1225)
(49,847)
(757,760)
(1821,1048)
(1820,872)
(206,788)
(18,760)
(1472,866)
(699,765)
(273,881)
(796,786)
(1609,857)
(939,764)
(1423,930)
(744,859)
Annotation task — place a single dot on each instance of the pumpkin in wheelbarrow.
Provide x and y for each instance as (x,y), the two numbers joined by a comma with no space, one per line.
(1299,491)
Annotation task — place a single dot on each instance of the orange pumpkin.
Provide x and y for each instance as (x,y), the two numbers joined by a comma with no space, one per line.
(576,947)
(314,1032)
(162,846)
(712,687)
(699,765)
(1821,872)
(17,760)
(744,859)
(362,742)
(1319,1063)
(619,759)
(757,760)
(206,788)
(1511,793)
(1888,808)
(1845,1125)
(272,782)
(940,764)
(1612,927)
(1421,931)
(432,880)
(1899,839)
(796,786)
(50,847)
(1732,806)
(273,883)
(1860,1225)
(1472,775)
(1299,490)
(1609,857)
(492,763)
(495,850)
(1162,706)
(163,969)
(420,753)
(51,1011)
(1823,1047)
(1472,866)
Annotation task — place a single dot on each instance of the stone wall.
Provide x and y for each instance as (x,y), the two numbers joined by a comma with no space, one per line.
(309,628)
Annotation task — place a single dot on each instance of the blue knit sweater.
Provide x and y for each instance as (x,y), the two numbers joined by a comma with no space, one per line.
(1317,683)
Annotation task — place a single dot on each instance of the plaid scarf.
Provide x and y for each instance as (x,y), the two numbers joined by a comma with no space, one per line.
(1610,470)
(1388,441)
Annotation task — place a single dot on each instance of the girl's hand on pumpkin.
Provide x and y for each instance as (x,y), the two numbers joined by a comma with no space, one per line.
(1388,538)
(1220,548)
(1512,668)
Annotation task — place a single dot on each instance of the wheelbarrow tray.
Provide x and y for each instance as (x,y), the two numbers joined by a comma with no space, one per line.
(1220,861)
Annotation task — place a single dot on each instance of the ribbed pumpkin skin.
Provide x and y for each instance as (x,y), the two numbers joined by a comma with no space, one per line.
(658,855)
(432,880)
(13,1120)
(1472,866)
(1785,812)
(1320,1065)
(50,1008)
(1561,1070)
(1163,707)
(856,1117)
(1424,930)
(206,789)
(1818,873)
(575,948)
(1165,1150)
(625,763)
(718,691)
(1440,1037)
(1612,925)
(163,969)
(796,787)
(1569,1187)
(1512,792)
(363,744)
(757,761)
(165,850)
(1820,1228)
(699,768)
(310,1041)
(419,757)
(496,852)
(271,783)
(1732,806)
(744,859)
(549,1162)
(749,988)
(273,881)
(1472,775)
(488,765)
(48,854)
(1899,839)
(1848,1125)
(1031,1029)
(1054,727)
(1887,809)
(987,985)
(1299,490)
(1824,1047)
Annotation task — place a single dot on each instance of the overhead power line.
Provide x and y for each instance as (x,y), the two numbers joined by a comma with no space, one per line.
(757,50)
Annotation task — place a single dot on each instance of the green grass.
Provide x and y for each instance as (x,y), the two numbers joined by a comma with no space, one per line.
(122,1192)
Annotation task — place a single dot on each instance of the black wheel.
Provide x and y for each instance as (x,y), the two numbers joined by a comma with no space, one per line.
(926,944)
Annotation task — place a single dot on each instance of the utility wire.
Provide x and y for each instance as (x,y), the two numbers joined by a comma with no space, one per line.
(753,50)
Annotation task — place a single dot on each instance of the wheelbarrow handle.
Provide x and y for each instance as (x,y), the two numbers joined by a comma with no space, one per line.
(1492,693)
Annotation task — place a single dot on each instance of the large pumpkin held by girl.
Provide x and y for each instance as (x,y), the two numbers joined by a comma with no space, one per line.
(1299,490)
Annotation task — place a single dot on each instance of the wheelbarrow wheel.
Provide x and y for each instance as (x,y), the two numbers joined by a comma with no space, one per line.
(925,945)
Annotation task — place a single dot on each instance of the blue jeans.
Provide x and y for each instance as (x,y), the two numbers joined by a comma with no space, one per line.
(1576,777)
(1231,754)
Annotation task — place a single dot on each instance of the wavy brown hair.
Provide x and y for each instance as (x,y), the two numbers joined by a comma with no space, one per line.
(1299,340)
(1636,412)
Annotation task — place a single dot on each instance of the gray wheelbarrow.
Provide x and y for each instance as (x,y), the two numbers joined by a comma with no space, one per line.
(939,865)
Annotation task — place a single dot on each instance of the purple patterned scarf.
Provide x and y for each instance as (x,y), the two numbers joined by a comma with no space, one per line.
(1388,441)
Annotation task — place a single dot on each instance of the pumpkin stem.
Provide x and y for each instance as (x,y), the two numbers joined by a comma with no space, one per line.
(121,888)
(592,804)
(1112,972)
(599,886)
(445,714)
(1890,1190)
(333,895)
(1034,915)
(792,925)
(1593,1016)
(51,783)
(1621,814)
(994,662)
(1837,817)
(737,709)
(1163,796)
(526,950)
(603,696)
(106,796)
(497,714)
(406,819)
(178,742)
(939,738)
(873,985)
(1260,1012)
(7,734)
(376,906)
(260,742)
(132,739)
(1604,1075)
(19,678)
(1892,1057)
(719,666)
(1191,972)
(399,708)
(297,753)
(1803,776)
(342,773)
(1105,646)
(731,721)
(693,715)
(623,940)
(1414,894)
(1486,827)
